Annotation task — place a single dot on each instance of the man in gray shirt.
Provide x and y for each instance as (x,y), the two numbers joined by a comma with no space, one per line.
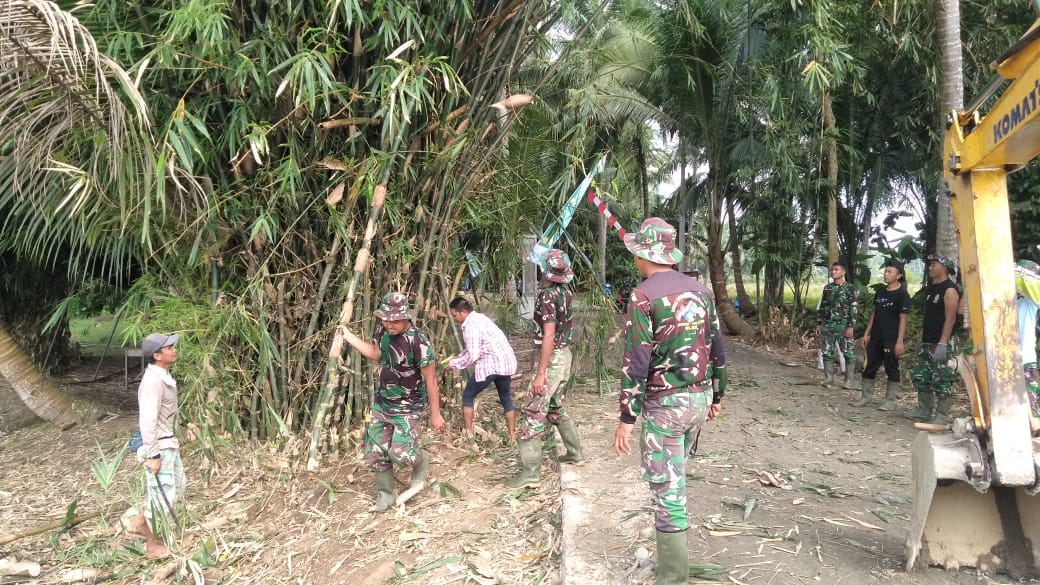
(160,451)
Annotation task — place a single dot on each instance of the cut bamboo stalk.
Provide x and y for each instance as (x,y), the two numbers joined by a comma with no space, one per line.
(409,493)
(334,360)
(77,519)
(9,568)
(79,574)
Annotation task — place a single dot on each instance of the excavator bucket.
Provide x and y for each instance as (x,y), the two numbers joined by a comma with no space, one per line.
(960,519)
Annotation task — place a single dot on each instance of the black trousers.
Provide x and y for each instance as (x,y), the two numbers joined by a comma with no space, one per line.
(881,352)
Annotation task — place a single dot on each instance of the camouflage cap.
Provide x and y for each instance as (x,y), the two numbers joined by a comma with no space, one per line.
(951,268)
(556,266)
(393,307)
(654,242)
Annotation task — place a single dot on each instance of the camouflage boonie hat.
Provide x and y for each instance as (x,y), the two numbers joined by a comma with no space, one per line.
(654,242)
(950,266)
(556,266)
(394,307)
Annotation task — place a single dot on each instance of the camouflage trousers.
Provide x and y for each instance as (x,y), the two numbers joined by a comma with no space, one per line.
(540,409)
(929,377)
(831,335)
(1032,375)
(669,423)
(391,439)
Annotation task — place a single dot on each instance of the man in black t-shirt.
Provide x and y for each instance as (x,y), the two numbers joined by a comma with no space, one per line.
(883,338)
(932,377)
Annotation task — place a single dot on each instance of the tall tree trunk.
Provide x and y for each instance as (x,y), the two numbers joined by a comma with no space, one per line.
(831,140)
(684,263)
(951,89)
(644,188)
(39,394)
(716,263)
(747,307)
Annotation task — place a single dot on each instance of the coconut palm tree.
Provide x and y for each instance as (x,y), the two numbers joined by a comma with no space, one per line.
(76,169)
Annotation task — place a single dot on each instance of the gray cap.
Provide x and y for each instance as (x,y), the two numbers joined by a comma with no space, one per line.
(155,342)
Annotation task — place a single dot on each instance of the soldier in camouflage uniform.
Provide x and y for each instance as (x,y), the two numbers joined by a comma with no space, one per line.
(407,381)
(673,374)
(544,401)
(834,320)
(932,375)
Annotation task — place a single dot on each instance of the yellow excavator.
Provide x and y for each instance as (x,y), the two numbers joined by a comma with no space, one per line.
(974,482)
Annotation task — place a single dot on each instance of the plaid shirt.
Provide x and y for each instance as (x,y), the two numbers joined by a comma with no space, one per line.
(487,347)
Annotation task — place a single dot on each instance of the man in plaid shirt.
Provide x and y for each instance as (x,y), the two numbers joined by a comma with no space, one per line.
(493,361)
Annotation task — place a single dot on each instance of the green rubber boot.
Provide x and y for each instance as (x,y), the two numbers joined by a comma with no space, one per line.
(828,374)
(384,489)
(925,403)
(942,410)
(891,392)
(569,434)
(673,560)
(849,370)
(530,465)
(420,468)
(868,392)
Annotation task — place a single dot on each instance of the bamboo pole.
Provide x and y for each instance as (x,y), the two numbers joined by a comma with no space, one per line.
(77,519)
(334,361)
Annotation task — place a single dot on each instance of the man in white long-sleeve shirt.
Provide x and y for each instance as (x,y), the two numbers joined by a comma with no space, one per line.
(157,400)
(488,349)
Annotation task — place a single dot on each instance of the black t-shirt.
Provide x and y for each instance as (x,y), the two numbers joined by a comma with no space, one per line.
(935,310)
(888,305)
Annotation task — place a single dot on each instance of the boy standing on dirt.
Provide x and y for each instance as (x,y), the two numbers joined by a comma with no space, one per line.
(931,376)
(407,381)
(544,401)
(835,318)
(160,450)
(488,349)
(883,338)
(673,354)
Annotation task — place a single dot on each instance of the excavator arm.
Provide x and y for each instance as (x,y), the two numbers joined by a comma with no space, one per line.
(973,501)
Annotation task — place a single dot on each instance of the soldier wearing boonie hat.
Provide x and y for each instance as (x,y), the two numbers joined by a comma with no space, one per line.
(673,373)
(407,381)
(543,404)
(932,375)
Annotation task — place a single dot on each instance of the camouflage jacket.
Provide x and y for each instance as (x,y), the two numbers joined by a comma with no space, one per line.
(401,388)
(554,306)
(837,305)
(672,340)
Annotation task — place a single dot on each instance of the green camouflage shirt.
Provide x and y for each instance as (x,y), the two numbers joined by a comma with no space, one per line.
(672,341)
(402,389)
(837,305)
(554,306)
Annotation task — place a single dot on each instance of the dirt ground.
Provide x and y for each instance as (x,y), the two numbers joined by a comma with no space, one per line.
(840,516)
